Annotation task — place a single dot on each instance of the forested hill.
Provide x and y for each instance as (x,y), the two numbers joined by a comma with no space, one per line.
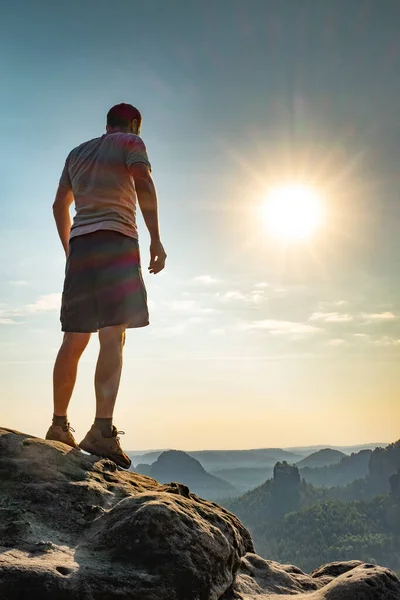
(348,469)
(299,523)
(333,531)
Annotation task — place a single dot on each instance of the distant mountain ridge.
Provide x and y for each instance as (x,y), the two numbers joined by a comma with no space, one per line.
(321,458)
(175,465)
(307,450)
(247,469)
(214,460)
(347,470)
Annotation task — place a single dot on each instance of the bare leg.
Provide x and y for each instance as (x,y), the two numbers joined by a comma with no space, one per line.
(102,439)
(108,369)
(66,368)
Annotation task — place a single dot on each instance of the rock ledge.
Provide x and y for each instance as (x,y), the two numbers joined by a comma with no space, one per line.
(76,528)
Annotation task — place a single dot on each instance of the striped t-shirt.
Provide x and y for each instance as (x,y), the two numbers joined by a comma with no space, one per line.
(97,171)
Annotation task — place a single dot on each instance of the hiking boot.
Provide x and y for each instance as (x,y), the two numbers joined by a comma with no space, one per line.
(96,443)
(62,434)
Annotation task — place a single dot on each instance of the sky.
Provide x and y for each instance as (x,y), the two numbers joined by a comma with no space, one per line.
(253,342)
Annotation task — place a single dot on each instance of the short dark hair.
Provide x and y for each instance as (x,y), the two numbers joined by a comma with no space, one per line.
(121,115)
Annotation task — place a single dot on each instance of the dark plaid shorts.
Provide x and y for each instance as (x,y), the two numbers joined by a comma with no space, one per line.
(103,283)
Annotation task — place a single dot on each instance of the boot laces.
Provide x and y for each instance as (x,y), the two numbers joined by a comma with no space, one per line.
(117,439)
(69,428)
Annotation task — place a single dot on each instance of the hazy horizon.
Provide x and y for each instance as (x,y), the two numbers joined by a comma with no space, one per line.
(254,341)
(286,448)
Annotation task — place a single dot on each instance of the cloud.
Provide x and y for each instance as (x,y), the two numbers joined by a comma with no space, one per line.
(386,341)
(279,327)
(257,296)
(206,280)
(336,342)
(189,306)
(8,315)
(379,317)
(326,305)
(262,284)
(337,317)
(6,321)
(332,317)
(254,297)
(231,295)
(377,341)
(18,282)
(218,331)
(11,312)
(45,303)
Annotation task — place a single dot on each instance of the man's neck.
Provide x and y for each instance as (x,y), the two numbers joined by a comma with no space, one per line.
(119,130)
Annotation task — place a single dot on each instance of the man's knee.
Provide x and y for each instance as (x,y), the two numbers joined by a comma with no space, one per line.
(76,342)
(114,334)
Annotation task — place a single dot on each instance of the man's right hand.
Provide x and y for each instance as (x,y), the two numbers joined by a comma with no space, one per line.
(157,257)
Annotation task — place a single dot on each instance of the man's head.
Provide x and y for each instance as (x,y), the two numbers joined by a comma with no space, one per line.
(124,117)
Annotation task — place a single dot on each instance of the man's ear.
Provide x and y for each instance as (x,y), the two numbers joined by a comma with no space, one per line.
(135,126)
(108,128)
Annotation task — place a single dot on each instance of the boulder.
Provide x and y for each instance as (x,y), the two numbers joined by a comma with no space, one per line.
(259,579)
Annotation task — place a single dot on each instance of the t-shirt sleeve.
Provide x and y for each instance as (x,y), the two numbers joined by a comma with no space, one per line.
(136,152)
(65,179)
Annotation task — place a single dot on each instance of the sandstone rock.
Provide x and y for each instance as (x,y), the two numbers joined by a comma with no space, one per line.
(73,527)
(259,579)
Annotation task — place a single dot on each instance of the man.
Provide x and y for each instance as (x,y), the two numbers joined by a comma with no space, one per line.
(103,288)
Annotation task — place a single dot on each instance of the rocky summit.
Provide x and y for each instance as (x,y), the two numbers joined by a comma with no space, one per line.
(73,527)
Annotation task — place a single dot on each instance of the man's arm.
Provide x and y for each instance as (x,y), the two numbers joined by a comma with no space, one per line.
(147,198)
(64,199)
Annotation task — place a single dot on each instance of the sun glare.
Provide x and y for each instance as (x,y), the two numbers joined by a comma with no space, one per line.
(292,212)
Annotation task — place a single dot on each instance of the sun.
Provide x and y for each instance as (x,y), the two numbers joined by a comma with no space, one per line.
(293,212)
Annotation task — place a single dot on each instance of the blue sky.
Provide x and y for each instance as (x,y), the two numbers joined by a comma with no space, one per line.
(252,343)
